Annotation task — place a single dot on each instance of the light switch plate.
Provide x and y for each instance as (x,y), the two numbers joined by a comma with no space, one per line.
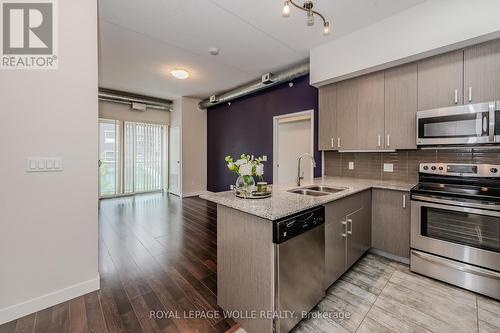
(44,164)
(351,165)
(388,167)
(49,165)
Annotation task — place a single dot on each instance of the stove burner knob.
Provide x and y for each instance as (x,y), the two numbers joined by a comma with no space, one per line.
(493,170)
(426,167)
(433,168)
(441,168)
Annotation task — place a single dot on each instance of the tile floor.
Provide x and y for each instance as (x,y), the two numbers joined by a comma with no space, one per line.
(384,296)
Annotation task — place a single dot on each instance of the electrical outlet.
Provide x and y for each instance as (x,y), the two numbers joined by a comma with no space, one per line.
(264,158)
(388,167)
(351,165)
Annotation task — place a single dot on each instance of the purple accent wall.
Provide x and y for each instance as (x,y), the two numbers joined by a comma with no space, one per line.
(246,126)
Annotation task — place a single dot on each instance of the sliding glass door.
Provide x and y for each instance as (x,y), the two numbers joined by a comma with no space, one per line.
(139,163)
(144,157)
(109,157)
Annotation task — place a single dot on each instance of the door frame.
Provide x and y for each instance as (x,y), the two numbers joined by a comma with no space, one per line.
(276,120)
(120,173)
(178,191)
(118,162)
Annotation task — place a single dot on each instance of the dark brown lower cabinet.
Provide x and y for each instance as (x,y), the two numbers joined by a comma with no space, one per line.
(391,222)
(347,233)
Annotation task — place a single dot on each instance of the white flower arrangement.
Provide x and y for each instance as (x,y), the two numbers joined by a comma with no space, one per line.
(246,165)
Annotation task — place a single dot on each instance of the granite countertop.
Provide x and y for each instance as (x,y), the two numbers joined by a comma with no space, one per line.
(284,203)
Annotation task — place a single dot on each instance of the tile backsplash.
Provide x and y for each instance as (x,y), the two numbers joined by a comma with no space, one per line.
(405,162)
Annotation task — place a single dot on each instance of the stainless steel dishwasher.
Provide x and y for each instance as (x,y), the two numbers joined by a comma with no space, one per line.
(299,249)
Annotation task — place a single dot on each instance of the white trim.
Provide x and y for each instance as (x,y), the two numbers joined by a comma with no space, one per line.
(165,157)
(390,256)
(276,119)
(45,301)
(178,191)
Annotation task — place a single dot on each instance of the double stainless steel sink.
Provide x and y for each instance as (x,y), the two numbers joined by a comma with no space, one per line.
(317,191)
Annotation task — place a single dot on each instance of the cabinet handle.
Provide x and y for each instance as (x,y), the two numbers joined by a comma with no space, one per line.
(404,201)
(349,226)
(388,140)
(456,96)
(338,142)
(470,94)
(344,234)
(331,144)
(379,141)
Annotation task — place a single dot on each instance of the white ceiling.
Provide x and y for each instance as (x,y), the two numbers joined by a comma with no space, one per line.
(142,40)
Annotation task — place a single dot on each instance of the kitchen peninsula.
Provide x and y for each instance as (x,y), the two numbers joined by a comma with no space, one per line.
(254,265)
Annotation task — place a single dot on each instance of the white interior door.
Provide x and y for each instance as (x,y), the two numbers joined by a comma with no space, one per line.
(293,137)
(175,161)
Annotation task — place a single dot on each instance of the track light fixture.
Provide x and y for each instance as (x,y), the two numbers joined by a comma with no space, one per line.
(307,6)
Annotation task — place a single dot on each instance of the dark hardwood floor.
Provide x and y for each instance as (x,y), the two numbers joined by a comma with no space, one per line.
(156,253)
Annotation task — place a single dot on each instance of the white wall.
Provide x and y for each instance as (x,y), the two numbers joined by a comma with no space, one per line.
(430,28)
(193,141)
(48,221)
(194,148)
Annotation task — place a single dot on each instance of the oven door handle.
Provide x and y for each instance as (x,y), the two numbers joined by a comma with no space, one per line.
(455,203)
(457,266)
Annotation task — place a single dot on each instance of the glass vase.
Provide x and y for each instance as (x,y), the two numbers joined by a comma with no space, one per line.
(245,185)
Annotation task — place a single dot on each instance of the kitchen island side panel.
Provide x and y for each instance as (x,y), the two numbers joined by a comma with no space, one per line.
(245,267)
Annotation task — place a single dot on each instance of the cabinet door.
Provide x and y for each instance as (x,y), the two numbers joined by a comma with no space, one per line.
(440,81)
(371,111)
(482,72)
(347,114)
(391,222)
(327,117)
(359,230)
(335,249)
(401,107)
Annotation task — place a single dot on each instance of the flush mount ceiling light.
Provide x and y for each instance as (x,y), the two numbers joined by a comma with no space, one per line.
(307,6)
(180,74)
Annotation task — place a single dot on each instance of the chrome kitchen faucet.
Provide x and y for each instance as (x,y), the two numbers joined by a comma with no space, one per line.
(299,177)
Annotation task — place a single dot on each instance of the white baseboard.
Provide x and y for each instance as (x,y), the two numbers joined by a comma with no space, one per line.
(45,301)
(390,256)
(195,194)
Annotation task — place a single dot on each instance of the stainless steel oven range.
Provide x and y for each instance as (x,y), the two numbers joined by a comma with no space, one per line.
(455,225)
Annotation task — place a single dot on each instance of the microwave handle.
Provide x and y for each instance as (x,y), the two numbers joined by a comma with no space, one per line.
(492,123)
(485,124)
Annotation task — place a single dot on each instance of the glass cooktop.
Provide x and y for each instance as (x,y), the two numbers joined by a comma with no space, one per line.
(456,190)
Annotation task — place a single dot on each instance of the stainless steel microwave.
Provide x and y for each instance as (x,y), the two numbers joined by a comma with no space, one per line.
(457,125)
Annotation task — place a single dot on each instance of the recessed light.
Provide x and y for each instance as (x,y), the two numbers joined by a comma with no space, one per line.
(180,74)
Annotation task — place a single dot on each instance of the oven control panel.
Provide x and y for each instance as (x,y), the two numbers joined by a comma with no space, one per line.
(462,170)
